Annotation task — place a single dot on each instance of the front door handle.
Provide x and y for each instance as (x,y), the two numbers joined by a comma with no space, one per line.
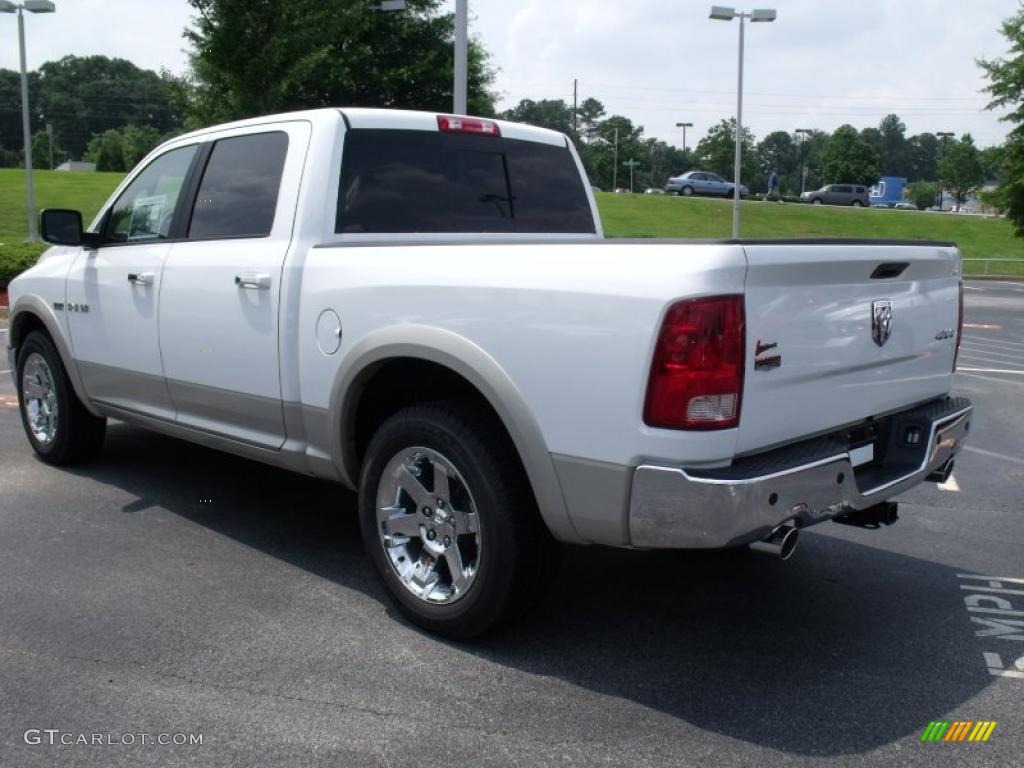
(140,278)
(252,280)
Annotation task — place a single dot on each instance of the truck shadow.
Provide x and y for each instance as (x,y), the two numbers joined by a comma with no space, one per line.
(841,650)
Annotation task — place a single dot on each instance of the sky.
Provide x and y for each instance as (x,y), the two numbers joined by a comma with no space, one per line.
(821,64)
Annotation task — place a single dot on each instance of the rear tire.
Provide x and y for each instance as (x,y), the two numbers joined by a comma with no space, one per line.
(58,426)
(439,494)
(857,204)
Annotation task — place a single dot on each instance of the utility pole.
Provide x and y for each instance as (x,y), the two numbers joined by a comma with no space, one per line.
(461,55)
(944,137)
(615,163)
(49,135)
(803,133)
(575,107)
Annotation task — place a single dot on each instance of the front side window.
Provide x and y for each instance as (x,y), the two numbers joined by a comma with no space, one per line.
(238,194)
(399,181)
(145,209)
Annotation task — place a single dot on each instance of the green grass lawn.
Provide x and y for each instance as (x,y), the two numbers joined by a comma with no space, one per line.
(623,216)
(671,216)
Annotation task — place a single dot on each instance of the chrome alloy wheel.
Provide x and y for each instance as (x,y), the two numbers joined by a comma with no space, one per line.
(39,395)
(428,525)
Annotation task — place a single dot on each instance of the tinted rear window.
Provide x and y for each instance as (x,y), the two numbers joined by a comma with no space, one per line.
(423,181)
(238,194)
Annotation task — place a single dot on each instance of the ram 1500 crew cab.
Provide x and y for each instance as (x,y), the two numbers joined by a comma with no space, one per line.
(423,308)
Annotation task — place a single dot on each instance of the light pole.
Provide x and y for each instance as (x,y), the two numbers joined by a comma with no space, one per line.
(32,6)
(944,137)
(461,55)
(804,133)
(684,126)
(722,13)
(615,164)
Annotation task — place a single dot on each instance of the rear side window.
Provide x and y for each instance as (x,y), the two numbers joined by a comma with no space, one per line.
(395,181)
(238,194)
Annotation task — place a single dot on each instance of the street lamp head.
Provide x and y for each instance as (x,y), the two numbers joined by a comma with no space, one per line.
(40,6)
(392,5)
(722,13)
(6,6)
(684,125)
(763,14)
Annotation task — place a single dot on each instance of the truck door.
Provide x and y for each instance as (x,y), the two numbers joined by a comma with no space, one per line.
(113,291)
(222,286)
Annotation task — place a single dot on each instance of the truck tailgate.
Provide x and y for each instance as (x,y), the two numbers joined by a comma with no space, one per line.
(824,307)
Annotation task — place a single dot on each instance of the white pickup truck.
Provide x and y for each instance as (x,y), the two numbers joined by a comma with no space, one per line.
(423,307)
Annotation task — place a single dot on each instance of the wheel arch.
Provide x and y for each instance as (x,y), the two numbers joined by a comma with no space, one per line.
(452,355)
(31,313)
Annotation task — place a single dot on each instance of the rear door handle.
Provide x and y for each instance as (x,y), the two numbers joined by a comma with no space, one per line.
(252,280)
(140,278)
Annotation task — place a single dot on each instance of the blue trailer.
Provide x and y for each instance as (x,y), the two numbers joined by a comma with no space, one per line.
(887,192)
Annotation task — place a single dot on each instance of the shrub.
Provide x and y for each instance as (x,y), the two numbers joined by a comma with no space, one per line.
(15,258)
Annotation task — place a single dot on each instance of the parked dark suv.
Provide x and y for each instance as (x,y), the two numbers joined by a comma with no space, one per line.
(838,194)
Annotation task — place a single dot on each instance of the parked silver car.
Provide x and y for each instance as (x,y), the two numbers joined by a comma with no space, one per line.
(702,183)
(838,194)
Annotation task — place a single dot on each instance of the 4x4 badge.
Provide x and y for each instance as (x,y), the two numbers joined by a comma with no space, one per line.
(881,321)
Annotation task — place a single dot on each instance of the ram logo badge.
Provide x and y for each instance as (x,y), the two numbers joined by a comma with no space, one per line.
(881,321)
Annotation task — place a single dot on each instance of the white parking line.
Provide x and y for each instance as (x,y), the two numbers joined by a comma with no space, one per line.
(994,455)
(993,342)
(991,378)
(950,485)
(985,349)
(974,357)
(987,370)
(3,372)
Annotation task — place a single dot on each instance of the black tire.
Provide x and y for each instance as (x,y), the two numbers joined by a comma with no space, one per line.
(516,554)
(817,201)
(79,435)
(857,204)
(686,192)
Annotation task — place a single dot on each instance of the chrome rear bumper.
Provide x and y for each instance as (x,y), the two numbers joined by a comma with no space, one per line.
(805,483)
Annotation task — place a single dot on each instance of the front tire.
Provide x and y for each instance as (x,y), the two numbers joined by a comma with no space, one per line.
(448,519)
(686,192)
(817,201)
(856,204)
(58,426)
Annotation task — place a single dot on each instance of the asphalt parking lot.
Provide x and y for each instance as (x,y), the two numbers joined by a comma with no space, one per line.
(169,589)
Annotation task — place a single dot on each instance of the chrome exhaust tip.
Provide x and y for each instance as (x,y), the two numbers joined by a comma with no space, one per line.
(781,542)
(941,474)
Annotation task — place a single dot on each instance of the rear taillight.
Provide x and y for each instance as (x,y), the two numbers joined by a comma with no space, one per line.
(474,125)
(697,373)
(959,326)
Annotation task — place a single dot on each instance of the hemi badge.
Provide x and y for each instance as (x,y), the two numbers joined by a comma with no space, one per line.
(766,363)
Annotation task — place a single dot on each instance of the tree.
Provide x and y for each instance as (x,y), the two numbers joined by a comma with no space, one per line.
(600,153)
(717,152)
(588,116)
(1006,87)
(107,151)
(960,168)
(893,152)
(992,162)
(252,58)
(137,141)
(41,151)
(849,159)
(546,113)
(778,152)
(922,194)
(922,157)
(84,96)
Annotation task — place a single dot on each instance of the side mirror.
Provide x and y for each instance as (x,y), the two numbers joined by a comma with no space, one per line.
(59,226)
